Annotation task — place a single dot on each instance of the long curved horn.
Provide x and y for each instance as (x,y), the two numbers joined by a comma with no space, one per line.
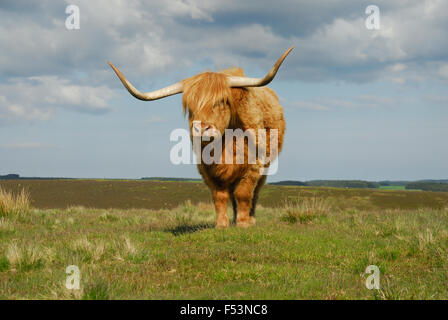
(148,96)
(258,82)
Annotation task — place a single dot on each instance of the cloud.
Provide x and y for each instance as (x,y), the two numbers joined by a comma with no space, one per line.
(153,38)
(190,8)
(37,98)
(333,103)
(155,42)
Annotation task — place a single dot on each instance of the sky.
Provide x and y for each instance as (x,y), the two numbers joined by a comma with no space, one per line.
(359,103)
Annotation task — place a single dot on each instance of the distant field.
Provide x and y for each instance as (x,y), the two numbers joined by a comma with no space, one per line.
(308,243)
(127,194)
(393,187)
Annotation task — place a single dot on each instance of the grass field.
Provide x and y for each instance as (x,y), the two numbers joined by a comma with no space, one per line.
(393,187)
(315,244)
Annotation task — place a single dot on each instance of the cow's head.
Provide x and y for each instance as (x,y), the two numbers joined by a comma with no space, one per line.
(207,96)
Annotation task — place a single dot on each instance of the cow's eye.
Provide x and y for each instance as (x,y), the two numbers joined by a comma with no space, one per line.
(219,105)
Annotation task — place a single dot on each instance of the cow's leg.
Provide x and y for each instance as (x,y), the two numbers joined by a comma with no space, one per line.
(260,184)
(221,199)
(244,193)
(233,200)
(234,206)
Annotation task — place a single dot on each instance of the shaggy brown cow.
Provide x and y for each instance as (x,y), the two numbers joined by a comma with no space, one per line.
(229,100)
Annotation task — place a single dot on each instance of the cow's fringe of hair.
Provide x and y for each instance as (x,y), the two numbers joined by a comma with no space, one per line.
(208,88)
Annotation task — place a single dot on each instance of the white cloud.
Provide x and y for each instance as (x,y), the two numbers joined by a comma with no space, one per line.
(397,67)
(37,98)
(12,111)
(194,9)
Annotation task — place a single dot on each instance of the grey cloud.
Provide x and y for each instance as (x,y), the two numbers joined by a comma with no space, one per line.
(37,98)
(149,38)
(334,103)
(153,42)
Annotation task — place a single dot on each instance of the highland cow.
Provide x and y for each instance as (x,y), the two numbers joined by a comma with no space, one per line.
(229,100)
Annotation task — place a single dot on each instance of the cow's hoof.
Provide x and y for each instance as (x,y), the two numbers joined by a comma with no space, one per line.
(246,223)
(222,225)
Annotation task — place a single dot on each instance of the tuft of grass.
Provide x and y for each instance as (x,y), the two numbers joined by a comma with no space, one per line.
(4,264)
(305,210)
(189,218)
(108,217)
(129,251)
(189,208)
(89,251)
(6,225)
(24,257)
(97,290)
(425,239)
(14,205)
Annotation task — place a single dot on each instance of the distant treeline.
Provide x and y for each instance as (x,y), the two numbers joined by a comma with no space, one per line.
(18,177)
(387,183)
(169,179)
(331,183)
(10,177)
(428,186)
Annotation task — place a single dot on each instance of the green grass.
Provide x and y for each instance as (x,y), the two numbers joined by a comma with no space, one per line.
(302,250)
(393,187)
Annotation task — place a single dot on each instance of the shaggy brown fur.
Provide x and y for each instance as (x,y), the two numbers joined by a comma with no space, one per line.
(208,98)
